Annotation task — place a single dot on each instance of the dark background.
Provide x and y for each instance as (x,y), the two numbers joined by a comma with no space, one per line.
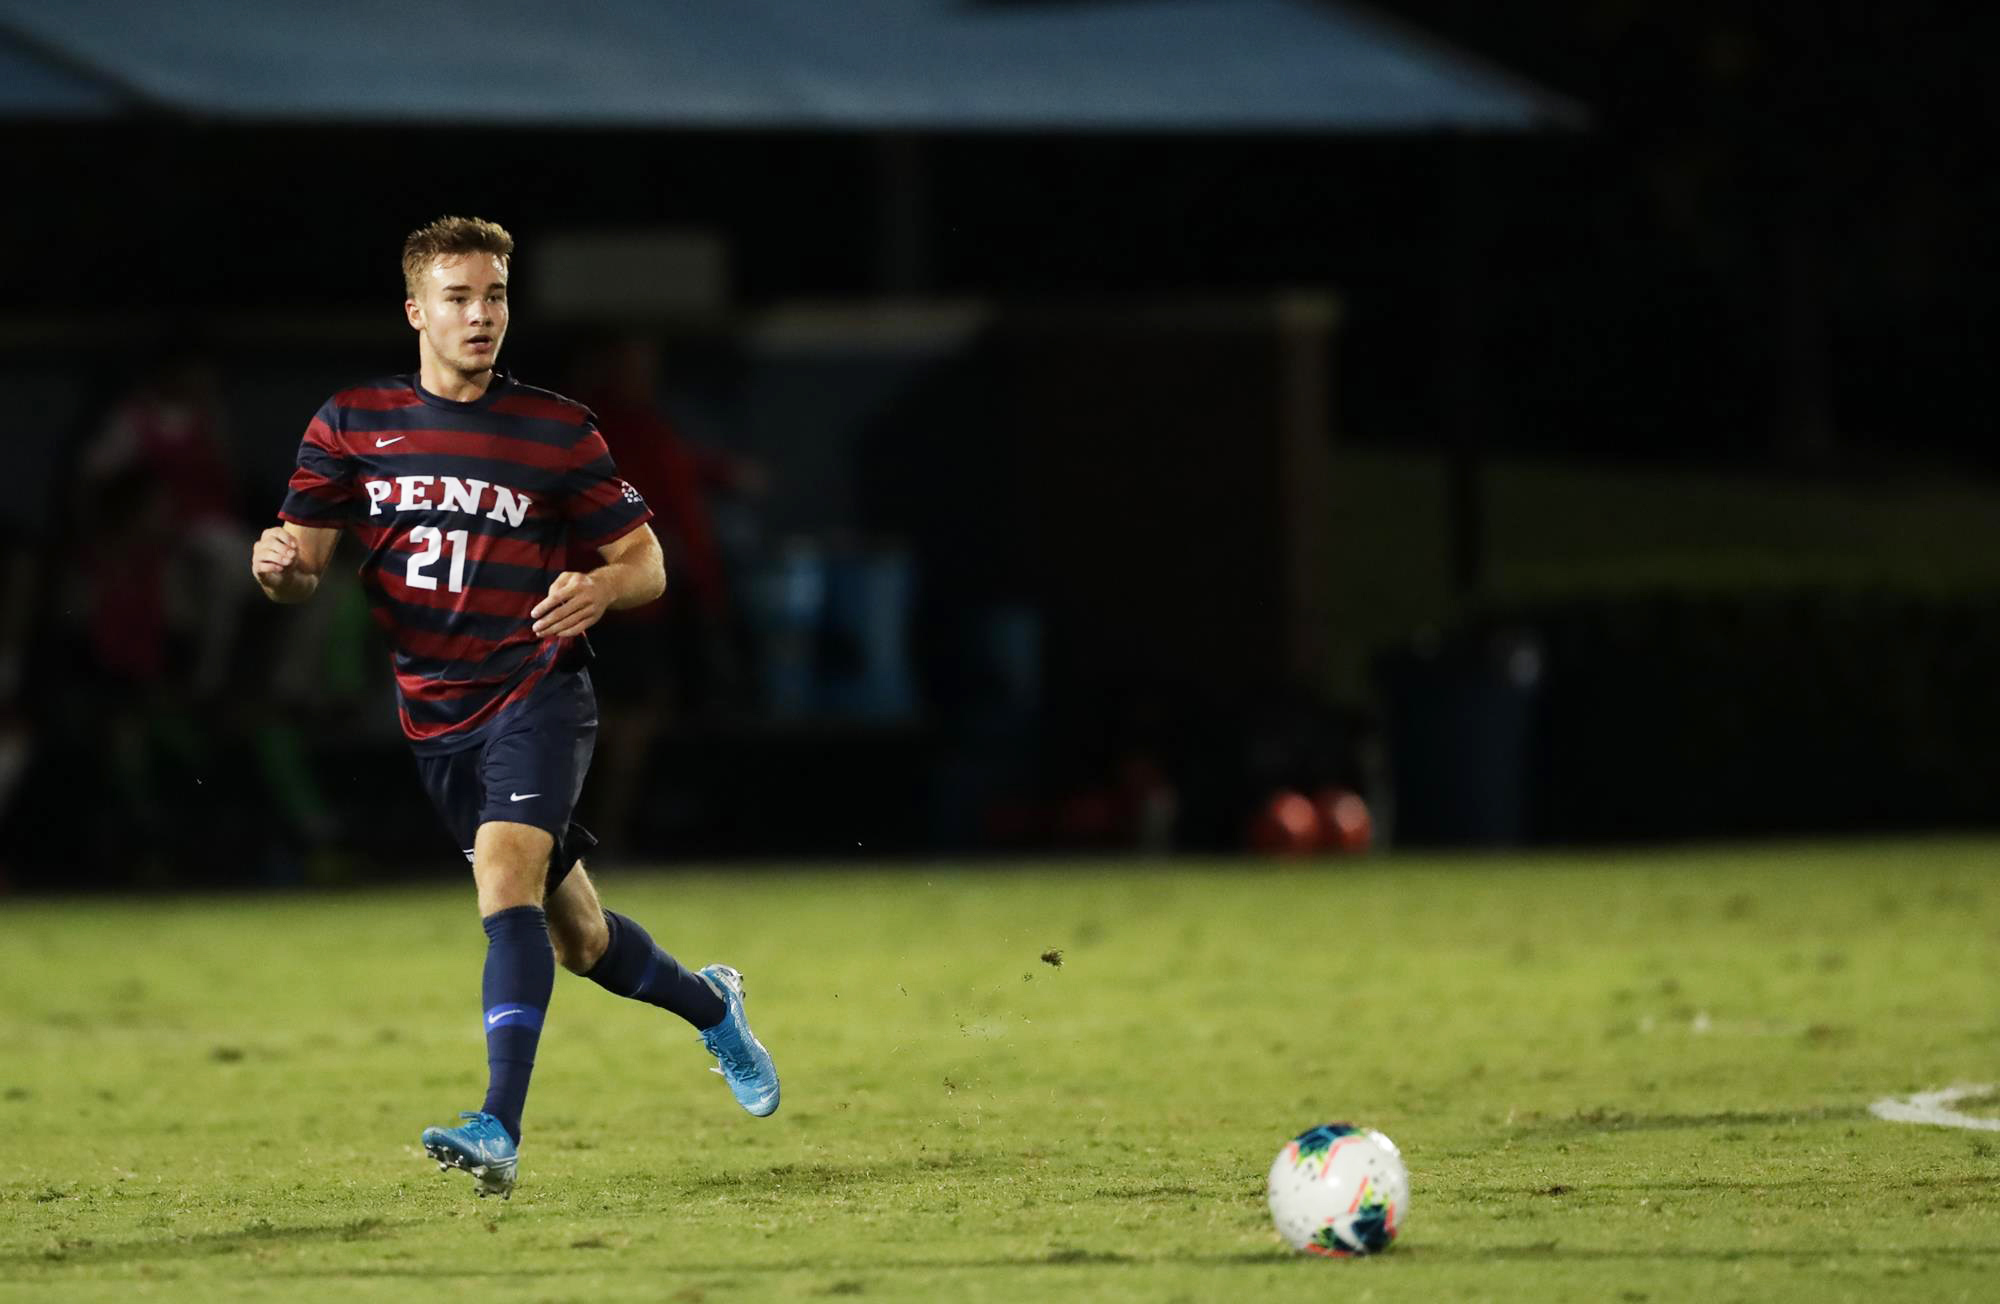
(1766,256)
(1774,233)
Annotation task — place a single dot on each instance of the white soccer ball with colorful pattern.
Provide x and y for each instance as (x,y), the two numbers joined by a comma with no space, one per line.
(1339,1190)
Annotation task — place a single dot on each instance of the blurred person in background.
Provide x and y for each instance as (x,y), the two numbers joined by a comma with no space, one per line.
(138,710)
(672,656)
(186,723)
(470,492)
(169,433)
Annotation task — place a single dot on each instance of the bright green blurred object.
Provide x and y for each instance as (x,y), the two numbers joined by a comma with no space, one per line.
(1629,1077)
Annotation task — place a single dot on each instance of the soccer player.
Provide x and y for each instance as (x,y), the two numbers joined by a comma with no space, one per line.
(467,487)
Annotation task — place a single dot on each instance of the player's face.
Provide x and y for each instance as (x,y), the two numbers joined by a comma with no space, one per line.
(462,311)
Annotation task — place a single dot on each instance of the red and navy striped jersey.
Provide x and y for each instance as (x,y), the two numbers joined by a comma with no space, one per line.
(467,511)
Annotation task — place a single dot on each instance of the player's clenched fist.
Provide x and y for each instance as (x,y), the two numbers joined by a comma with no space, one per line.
(272,559)
(576,601)
(281,569)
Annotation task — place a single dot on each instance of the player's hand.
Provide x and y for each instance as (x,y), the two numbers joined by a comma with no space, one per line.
(576,601)
(274,558)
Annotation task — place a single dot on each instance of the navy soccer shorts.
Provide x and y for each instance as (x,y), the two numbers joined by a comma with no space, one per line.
(528,769)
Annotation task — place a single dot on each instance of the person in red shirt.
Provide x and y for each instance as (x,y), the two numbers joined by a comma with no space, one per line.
(674,475)
(165,443)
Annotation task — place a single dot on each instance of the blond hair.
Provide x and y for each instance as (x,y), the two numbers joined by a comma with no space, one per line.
(449,237)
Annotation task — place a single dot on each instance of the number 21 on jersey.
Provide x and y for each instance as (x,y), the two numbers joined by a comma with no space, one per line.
(433,541)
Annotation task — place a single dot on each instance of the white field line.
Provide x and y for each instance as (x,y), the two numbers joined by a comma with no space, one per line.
(1935,1107)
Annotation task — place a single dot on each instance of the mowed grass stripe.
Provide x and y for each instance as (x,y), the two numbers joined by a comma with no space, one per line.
(1612,1076)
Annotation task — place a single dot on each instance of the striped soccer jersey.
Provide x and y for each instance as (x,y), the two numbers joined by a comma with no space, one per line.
(467,511)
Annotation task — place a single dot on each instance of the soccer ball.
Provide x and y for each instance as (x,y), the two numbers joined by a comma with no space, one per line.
(1339,1190)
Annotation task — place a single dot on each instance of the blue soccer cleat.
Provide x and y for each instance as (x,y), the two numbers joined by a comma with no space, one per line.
(481,1147)
(741,1059)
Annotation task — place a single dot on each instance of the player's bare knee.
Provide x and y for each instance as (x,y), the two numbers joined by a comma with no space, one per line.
(510,864)
(576,923)
(504,890)
(570,940)
(578,945)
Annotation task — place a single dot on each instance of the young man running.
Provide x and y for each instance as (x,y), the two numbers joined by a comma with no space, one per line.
(467,489)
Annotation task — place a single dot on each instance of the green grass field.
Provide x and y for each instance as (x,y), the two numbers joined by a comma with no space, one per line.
(1624,1078)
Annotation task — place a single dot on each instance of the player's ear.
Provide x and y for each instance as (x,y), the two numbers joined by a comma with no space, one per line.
(414,311)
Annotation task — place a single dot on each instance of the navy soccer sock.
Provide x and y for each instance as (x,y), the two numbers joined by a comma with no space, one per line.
(633,965)
(520,975)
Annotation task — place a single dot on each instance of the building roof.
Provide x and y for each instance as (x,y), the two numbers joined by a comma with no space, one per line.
(883,65)
(36,82)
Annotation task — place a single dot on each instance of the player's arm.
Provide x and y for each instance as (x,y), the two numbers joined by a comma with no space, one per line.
(287,560)
(634,573)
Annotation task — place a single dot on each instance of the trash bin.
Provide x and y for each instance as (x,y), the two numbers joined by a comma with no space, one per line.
(1461,722)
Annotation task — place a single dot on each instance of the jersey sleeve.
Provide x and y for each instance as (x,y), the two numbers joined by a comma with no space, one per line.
(322,492)
(600,506)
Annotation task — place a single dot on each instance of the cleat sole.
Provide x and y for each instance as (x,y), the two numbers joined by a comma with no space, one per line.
(485,1181)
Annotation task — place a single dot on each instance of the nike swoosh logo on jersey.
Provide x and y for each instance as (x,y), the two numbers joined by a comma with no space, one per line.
(521,796)
(384,443)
